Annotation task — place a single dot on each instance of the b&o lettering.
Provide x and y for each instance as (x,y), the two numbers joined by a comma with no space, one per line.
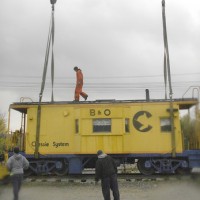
(107,112)
(92,112)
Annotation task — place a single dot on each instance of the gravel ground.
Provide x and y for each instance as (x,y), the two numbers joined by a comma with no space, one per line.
(185,189)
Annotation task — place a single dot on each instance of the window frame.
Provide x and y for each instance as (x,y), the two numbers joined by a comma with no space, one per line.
(102,125)
(165,124)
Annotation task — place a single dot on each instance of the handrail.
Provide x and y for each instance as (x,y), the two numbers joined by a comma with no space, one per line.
(193,89)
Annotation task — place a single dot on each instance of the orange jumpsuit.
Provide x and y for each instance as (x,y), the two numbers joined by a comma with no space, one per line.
(79,85)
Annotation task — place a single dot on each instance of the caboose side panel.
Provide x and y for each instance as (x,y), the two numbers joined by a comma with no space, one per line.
(69,129)
(101,125)
(56,130)
(150,130)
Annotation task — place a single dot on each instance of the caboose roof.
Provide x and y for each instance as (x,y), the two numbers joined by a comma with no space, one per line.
(184,103)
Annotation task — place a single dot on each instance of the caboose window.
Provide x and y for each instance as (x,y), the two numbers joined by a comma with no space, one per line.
(127,130)
(101,125)
(165,124)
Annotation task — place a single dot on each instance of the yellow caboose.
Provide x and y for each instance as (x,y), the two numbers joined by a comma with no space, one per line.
(70,133)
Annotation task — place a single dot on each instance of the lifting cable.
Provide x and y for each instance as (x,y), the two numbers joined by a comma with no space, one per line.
(167,75)
(50,43)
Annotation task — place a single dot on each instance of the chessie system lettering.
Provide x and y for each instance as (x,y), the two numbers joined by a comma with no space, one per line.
(54,144)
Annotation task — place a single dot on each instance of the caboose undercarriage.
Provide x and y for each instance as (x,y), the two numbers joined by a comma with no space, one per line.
(147,164)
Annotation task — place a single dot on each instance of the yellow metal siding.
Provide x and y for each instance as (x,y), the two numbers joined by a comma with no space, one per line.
(153,141)
(58,136)
(57,130)
(110,143)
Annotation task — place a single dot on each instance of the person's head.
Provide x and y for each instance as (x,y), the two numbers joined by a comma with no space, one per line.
(99,152)
(75,68)
(16,150)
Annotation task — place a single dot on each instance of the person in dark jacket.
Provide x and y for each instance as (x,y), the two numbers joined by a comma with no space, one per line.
(16,165)
(106,170)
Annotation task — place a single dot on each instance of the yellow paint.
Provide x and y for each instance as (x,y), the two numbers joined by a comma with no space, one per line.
(58,133)
(3,169)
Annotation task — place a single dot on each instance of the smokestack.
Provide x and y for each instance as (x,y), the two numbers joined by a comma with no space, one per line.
(147,95)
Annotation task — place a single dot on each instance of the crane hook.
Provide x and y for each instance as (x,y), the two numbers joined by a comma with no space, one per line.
(53,1)
(163,3)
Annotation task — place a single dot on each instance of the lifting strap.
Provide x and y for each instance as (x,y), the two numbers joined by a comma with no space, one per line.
(167,75)
(50,43)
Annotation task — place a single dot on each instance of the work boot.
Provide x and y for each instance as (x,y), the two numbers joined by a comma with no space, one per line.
(86,97)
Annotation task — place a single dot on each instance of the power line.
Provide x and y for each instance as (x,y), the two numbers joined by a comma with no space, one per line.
(112,85)
(97,77)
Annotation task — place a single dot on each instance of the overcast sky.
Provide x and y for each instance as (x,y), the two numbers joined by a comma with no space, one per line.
(118,44)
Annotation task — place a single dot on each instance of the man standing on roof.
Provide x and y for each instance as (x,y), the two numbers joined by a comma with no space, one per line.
(79,85)
(106,170)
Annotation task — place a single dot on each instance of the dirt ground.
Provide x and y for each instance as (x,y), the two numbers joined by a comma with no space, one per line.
(184,189)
